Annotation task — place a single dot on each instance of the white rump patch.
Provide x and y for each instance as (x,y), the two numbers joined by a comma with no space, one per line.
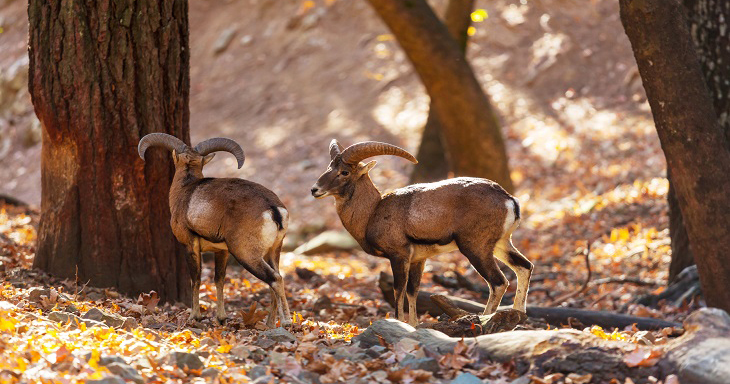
(284,218)
(269,230)
(509,220)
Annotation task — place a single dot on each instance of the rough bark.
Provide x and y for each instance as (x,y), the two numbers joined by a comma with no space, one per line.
(691,138)
(556,316)
(433,160)
(471,129)
(700,356)
(103,74)
(708,21)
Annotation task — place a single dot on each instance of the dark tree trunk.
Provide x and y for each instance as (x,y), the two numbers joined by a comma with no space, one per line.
(470,128)
(433,161)
(102,74)
(691,138)
(707,19)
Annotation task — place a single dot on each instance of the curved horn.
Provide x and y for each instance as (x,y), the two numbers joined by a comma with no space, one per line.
(360,151)
(335,148)
(221,144)
(162,140)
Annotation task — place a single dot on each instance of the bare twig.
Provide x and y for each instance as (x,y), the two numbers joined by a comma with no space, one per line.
(625,280)
(570,295)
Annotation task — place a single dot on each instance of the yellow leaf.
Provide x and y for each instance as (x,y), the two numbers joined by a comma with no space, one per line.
(224,348)
(479,15)
(385,37)
(7,324)
(471,31)
(94,360)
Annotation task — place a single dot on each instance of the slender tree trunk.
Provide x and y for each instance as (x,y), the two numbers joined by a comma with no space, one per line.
(471,130)
(103,74)
(708,20)
(433,160)
(691,138)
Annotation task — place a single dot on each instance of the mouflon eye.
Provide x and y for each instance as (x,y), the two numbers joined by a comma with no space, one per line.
(345,173)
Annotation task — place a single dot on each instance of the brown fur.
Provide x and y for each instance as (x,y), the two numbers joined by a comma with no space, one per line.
(225,215)
(413,223)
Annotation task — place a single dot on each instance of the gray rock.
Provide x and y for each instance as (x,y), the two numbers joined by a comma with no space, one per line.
(63,317)
(125,372)
(328,241)
(309,377)
(210,373)
(34,294)
(258,354)
(265,342)
(102,317)
(375,351)
(224,40)
(466,378)
(240,351)
(524,379)
(256,372)
(265,380)
(426,363)
(130,323)
(182,360)
(107,380)
(280,335)
(106,360)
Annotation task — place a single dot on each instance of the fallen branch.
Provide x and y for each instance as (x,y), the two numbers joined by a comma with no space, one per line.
(554,316)
(625,280)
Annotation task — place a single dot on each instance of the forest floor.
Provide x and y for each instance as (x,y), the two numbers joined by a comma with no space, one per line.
(583,153)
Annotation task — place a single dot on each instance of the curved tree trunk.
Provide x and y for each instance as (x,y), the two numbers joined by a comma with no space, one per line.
(708,20)
(692,140)
(433,160)
(471,130)
(102,74)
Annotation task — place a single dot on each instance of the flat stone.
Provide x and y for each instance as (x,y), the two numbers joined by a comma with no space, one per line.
(256,372)
(36,293)
(63,317)
(375,351)
(466,378)
(280,335)
(106,360)
(328,241)
(210,373)
(125,372)
(183,359)
(102,317)
(107,380)
(224,40)
(265,380)
(240,351)
(425,363)
(309,377)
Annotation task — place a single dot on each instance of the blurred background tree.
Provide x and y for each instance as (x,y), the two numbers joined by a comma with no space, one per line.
(707,20)
(460,110)
(100,78)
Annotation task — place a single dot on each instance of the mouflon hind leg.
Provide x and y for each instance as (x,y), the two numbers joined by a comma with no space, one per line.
(508,254)
(482,259)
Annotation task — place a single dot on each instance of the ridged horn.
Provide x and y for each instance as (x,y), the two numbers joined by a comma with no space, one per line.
(221,144)
(361,151)
(335,148)
(160,140)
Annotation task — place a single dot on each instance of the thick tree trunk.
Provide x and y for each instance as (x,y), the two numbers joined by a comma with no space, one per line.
(708,25)
(691,138)
(103,74)
(433,160)
(470,127)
